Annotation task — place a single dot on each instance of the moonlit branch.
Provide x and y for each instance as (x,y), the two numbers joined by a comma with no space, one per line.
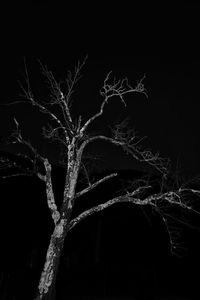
(125,198)
(116,88)
(171,198)
(73,78)
(57,96)
(27,94)
(16,137)
(50,194)
(92,186)
(132,147)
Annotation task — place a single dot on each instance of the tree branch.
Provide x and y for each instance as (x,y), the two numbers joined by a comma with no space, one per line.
(50,194)
(16,137)
(73,78)
(54,134)
(27,94)
(116,88)
(131,146)
(92,210)
(6,164)
(57,96)
(92,186)
(120,199)
(61,98)
(85,172)
(46,178)
(171,198)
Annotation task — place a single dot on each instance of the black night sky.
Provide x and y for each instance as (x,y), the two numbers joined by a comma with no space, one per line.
(128,257)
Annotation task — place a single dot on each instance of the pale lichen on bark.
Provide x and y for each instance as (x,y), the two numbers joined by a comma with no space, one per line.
(56,216)
(59,229)
(49,267)
(69,204)
(71,192)
(47,273)
(50,194)
(51,203)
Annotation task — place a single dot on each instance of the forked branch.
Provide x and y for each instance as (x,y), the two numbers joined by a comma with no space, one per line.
(116,88)
(160,202)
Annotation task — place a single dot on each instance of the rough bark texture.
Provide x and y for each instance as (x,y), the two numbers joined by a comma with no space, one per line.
(46,288)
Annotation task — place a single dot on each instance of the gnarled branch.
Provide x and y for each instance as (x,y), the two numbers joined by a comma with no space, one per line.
(116,88)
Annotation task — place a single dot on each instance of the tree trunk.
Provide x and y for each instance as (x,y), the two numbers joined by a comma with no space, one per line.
(46,288)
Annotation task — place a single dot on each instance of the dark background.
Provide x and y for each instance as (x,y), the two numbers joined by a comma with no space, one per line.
(121,253)
(120,250)
(129,41)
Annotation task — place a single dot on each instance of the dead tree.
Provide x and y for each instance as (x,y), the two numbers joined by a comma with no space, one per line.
(74,136)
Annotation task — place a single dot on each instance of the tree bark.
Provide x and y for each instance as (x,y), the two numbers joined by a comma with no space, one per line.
(46,288)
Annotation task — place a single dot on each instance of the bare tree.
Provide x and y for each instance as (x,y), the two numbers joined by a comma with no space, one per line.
(74,136)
